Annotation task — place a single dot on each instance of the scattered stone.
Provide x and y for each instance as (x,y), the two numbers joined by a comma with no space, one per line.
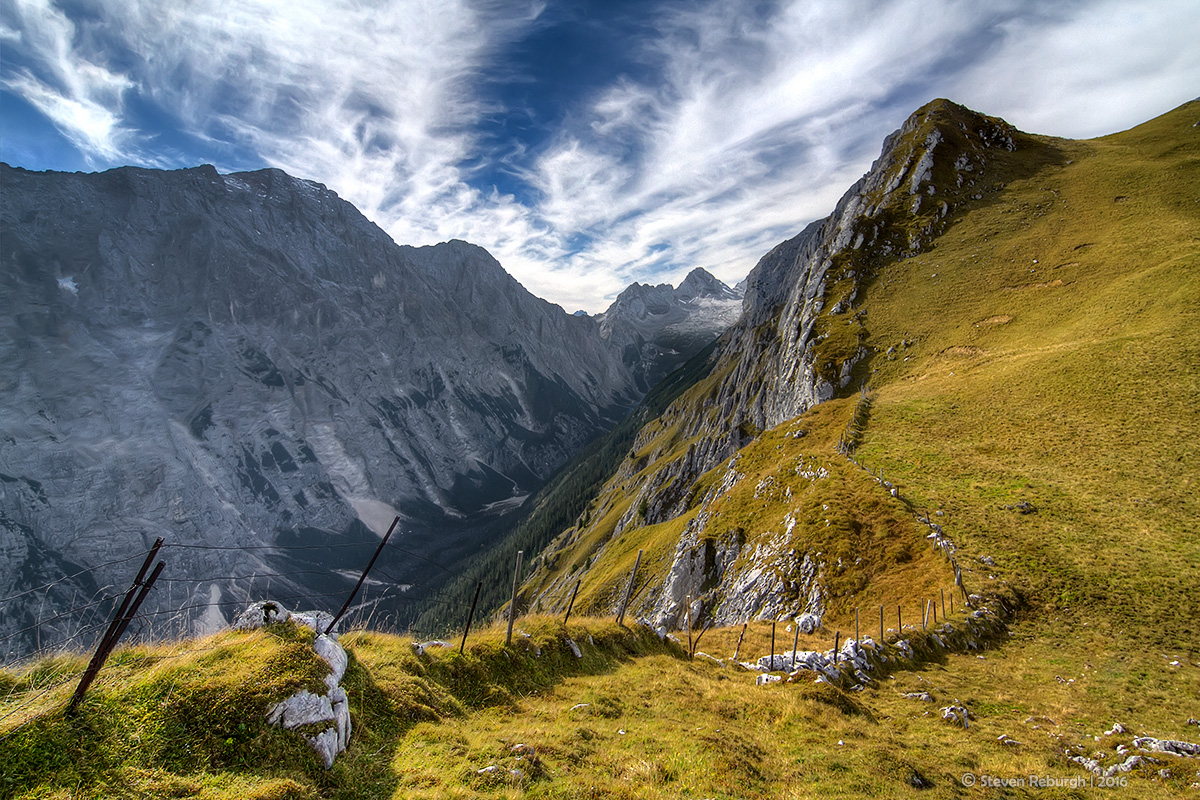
(318,621)
(305,707)
(420,649)
(326,745)
(1192,721)
(956,713)
(256,615)
(578,706)
(763,680)
(919,781)
(1115,729)
(988,561)
(488,770)
(924,697)
(1008,741)
(574,647)
(302,708)
(1128,765)
(1150,744)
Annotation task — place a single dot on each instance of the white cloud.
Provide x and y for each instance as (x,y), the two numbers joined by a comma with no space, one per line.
(82,98)
(1094,69)
(752,126)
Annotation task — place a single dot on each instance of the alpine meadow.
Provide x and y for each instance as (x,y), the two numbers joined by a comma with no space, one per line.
(922,522)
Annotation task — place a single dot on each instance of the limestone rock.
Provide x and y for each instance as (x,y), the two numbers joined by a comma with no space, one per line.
(957,713)
(302,708)
(256,615)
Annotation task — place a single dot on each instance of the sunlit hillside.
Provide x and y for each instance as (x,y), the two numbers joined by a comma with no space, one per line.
(1032,390)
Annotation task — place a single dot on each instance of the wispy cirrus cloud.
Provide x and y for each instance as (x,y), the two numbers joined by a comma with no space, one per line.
(81,96)
(583,151)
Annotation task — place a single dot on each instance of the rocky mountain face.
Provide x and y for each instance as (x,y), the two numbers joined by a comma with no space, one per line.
(800,337)
(245,361)
(799,341)
(658,328)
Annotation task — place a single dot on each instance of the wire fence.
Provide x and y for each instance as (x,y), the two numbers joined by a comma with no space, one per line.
(79,613)
(385,603)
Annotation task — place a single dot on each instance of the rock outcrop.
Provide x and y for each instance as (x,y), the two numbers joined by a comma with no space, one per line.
(800,340)
(305,709)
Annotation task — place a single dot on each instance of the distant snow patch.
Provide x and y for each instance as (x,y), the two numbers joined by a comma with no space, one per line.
(68,283)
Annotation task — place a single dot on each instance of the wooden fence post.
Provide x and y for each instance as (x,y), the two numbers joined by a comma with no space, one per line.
(856,627)
(470,617)
(837,637)
(125,613)
(629,590)
(688,616)
(512,606)
(795,641)
(881,625)
(571,604)
(738,649)
(772,667)
(362,577)
(943,591)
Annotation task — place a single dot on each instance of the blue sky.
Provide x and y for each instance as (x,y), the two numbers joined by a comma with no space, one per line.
(587,144)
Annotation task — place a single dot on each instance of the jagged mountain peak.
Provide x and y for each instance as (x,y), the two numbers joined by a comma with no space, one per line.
(702,284)
(659,327)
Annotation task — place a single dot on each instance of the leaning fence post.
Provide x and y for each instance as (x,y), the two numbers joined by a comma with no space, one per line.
(943,591)
(738,649)
(128,608)
(470,616)
(362,577)
(837,637)
(795,642)
(512,606)
(629,589)
(571,604)
(688,617)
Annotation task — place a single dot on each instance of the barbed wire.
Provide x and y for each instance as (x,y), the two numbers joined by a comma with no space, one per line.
(217,547)
(66,578)
(57,617)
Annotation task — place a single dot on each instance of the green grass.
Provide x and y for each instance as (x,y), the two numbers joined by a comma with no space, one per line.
(1045,349)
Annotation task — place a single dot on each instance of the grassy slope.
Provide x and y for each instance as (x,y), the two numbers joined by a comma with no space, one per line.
(1070,383)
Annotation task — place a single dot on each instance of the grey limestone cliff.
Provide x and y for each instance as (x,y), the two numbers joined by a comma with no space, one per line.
(244,361)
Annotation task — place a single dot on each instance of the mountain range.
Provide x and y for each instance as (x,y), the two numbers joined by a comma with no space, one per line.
(939,480)
(245,362)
